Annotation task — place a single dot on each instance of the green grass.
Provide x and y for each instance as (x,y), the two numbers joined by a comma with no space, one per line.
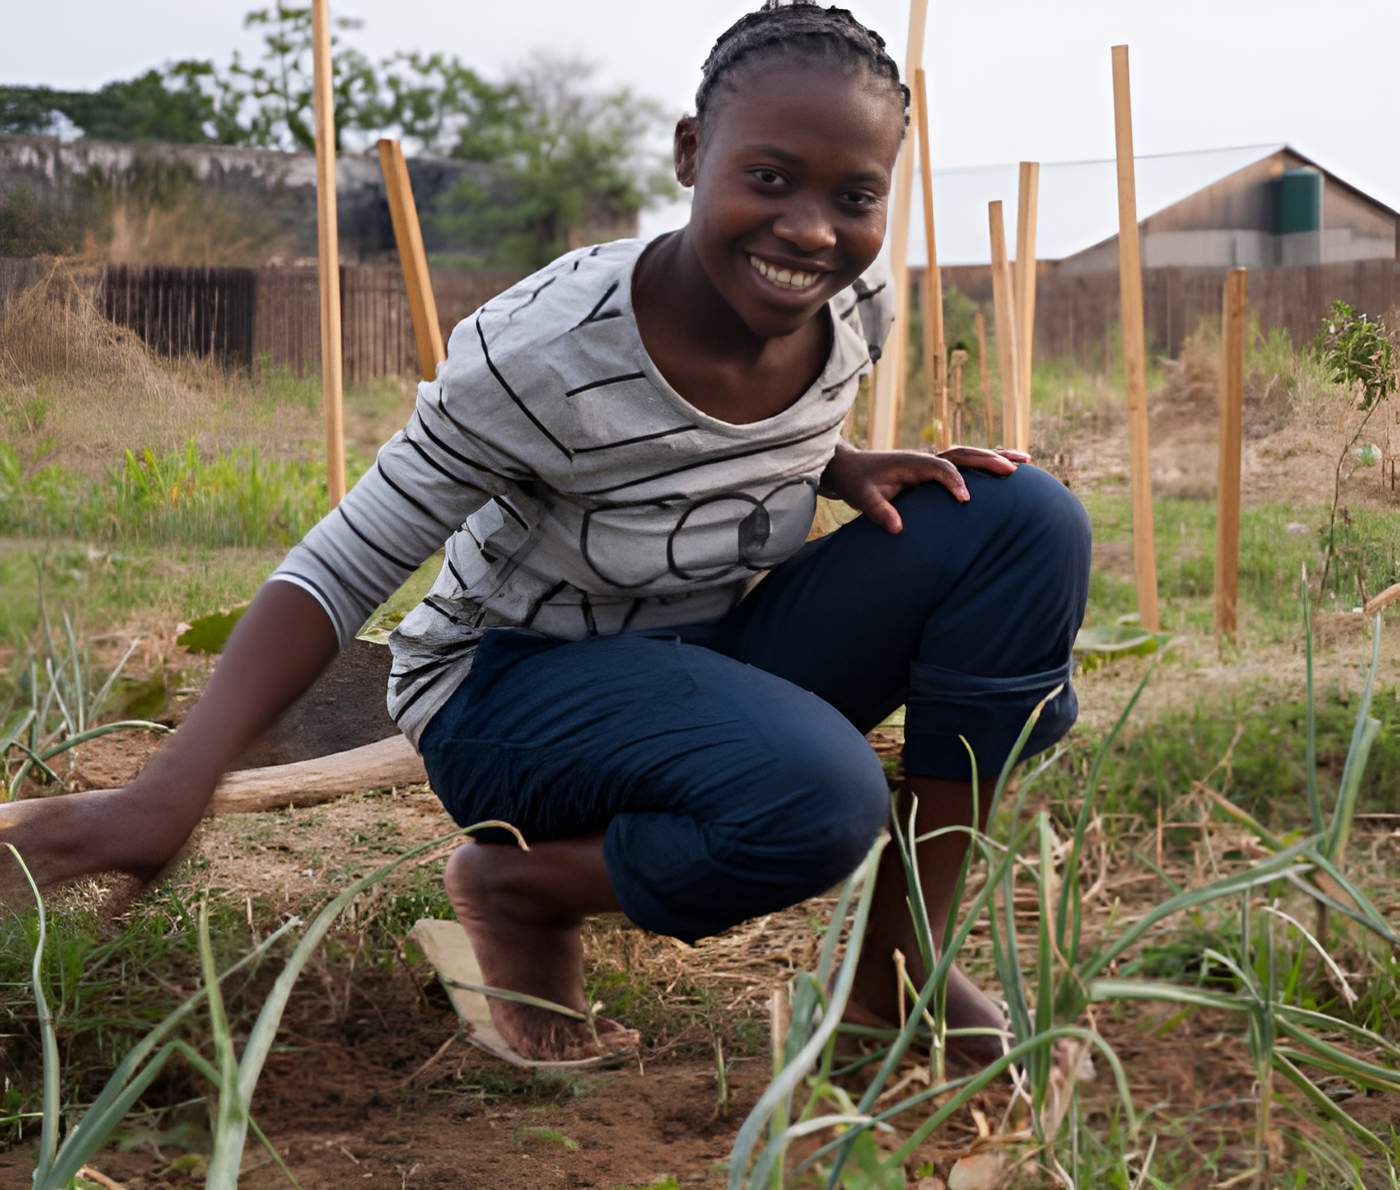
(103,588)
(1271,558)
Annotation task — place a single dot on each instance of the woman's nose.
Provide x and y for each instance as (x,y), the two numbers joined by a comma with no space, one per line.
(806,226)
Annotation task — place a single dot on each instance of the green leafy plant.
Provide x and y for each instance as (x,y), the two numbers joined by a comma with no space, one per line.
(1357,350)
(234,1075)
(1051,1005)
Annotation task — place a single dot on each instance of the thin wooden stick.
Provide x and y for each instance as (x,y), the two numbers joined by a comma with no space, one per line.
(888,394)
(1003,309)
(980,322)
(956,363)
(1134,346)
(1227,516)
(935,349)
(1027,200)
(408,235)
(328,254)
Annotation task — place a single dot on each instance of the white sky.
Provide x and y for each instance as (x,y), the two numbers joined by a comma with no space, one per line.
(1009,79)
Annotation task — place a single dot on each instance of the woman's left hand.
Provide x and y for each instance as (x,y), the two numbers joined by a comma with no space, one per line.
(868,480)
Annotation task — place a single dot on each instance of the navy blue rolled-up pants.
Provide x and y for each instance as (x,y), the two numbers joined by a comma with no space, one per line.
(725,763)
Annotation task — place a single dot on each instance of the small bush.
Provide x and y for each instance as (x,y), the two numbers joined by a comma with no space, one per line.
(1356,350)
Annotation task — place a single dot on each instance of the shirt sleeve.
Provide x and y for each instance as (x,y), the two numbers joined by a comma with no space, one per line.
(447,462)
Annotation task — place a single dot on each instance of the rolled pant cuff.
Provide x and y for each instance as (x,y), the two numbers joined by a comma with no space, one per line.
(946,707)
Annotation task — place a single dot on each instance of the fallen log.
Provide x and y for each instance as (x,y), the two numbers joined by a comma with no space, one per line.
(390,762)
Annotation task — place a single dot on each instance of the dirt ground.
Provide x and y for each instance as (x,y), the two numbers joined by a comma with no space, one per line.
(372,1084)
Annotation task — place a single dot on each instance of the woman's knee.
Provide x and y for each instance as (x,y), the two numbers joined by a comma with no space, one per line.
(836,801)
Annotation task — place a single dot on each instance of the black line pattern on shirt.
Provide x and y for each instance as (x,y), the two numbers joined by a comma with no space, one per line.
(594,316)
(339,571)
(423,687)
(831,390)
(440,521)
(526,472)
(590,624)
(374,545)
(531,300)
(541,600)
(711,460)
(509,508)
(455,654)
(474,464)
(510,392)
(583,450)
(592,384)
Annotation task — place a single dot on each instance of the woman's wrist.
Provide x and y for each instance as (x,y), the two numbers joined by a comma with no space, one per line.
(830,485)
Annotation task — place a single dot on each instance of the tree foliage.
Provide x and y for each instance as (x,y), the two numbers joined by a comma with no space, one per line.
(567,155)
(562,153)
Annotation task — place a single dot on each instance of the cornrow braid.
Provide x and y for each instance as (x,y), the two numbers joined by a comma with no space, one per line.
(804,27)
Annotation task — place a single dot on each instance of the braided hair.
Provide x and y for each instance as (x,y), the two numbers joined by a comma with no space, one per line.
(799,27)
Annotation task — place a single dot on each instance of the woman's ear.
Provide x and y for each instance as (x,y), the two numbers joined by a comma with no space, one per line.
(686,149)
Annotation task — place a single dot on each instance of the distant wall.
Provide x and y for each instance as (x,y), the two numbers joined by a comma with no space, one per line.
(270,187)
(273,192)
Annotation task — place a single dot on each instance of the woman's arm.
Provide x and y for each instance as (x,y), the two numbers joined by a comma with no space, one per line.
(281,644)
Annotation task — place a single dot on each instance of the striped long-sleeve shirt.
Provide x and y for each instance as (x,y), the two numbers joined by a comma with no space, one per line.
(578,494)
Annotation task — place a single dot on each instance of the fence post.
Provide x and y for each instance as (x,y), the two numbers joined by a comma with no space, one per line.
(1003,310)
(328,254)
(1026,204)
(1134,346)
(1227,515)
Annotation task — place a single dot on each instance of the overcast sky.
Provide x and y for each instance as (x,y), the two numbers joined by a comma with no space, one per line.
(1009,79)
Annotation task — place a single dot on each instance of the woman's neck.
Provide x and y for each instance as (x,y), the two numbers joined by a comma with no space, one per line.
(679,310)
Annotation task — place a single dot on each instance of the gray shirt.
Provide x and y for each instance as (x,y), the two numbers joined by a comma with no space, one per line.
(577,492)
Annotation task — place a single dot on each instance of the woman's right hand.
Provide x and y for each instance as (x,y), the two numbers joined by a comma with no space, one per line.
(279,648)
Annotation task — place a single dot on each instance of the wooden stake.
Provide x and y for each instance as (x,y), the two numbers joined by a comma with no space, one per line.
(888,394)
(1134,346)
(408,235)
(956,363)
(935,349)
(1025,291)
(980,322)
(328,253)
(1227,516)
(1008,365)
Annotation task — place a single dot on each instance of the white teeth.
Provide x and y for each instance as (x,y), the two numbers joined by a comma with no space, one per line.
(786,278)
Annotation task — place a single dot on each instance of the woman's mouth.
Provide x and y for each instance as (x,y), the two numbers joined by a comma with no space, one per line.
(784,278)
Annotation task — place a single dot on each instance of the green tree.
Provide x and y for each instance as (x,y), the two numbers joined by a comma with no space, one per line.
(167,106)
(575,156)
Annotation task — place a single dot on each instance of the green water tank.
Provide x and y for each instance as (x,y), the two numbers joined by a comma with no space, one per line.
(1299,197)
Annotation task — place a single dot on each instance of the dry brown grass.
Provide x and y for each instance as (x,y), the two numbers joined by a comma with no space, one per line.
(77,390)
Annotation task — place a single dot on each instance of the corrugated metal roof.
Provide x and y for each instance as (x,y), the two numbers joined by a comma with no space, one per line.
(1078,201)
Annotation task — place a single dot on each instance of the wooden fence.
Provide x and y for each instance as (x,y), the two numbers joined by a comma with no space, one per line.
(267,316)
(1077,316)
(271,316)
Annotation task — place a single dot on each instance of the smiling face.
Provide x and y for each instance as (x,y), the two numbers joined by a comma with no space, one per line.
(792,177)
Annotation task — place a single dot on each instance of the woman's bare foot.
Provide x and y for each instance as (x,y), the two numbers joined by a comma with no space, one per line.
(524,946)
(968,1007)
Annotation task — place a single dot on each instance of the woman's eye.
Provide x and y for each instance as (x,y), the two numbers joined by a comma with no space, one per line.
(767,177)
(859,198)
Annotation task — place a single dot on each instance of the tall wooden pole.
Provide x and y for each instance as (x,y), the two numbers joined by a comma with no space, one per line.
(1227,515)
(888,393)
(1004,311)
(1134,346)
(1027,200)
(935,349)
(980,322)
(328,252)
(408,235)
